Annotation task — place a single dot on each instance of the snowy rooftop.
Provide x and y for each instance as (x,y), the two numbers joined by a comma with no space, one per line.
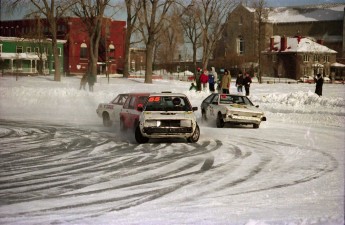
(302,45)
(322,12)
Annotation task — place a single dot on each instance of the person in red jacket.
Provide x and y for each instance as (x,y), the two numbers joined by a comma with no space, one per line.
(204,79)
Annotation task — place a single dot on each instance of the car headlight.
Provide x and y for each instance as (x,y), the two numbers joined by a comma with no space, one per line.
(186,123)
(152,123)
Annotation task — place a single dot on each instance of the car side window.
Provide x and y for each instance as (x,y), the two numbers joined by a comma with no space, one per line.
(126,105)
(120,100)
(131,104)
(215,99)
(208,99)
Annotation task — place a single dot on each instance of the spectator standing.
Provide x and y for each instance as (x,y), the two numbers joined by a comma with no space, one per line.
(226,82)
(204,79)
(246,82)
(197,79)
(211,80)
(319,83)
(239,82)
(215,76)
(91,79)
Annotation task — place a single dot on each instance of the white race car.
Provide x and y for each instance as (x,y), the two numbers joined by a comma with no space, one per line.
(229,108)
(167,115)
(110,112)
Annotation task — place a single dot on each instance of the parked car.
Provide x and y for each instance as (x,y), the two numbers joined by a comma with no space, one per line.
(230,108)
(109,112)
(306,79)
(129,114)
(167,115)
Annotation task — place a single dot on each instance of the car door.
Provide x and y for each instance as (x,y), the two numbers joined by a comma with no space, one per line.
(211,110)
(130,110)
(117,106)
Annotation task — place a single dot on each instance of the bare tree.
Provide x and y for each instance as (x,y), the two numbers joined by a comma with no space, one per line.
(52,10)
(132,8)
(91,13)
(190,21)
(261,14)
(151,20)
(214,15)
(170,38)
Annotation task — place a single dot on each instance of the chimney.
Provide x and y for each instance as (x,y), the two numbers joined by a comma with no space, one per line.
(283,43)
(299,37)
(320,41)
(271,43)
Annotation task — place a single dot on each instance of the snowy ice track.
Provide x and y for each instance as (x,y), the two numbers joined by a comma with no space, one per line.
(78,173)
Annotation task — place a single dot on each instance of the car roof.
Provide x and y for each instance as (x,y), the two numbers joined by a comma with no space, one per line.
(240,95)
(168,94)
(139,94)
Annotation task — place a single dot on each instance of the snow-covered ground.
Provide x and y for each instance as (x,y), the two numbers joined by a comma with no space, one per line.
(289,171)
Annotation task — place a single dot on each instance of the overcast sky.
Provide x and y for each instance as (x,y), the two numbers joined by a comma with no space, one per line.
(276,3)
(270,3)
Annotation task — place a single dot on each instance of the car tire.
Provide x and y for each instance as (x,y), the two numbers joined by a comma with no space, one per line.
(256,126)
(139,137)
(220,122)
(106,120)
(195,137)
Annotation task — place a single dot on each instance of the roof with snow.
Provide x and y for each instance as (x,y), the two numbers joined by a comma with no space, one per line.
(309,13)
(18,39)
(303,44)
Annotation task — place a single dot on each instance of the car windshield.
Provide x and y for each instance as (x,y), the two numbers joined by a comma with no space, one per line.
(168,103)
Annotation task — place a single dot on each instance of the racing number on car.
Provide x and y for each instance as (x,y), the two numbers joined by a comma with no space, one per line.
(155,99)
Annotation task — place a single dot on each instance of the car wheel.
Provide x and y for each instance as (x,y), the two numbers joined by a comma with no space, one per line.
(122,125)
(256,125)
(203,115)
(106,120)
(195,137)
(139,137)
(220,122)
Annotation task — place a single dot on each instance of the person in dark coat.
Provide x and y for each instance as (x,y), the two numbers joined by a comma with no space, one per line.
(239,82)
(211,82)
(319,83)
(246,82)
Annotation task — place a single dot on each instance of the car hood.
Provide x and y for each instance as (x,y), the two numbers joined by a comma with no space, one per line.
(161,115)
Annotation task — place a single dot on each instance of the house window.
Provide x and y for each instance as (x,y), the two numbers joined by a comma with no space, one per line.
(305,71)
(241,21)
(305,58)
(240,46)
(59,51)
(316,58)
(28,49)
(19,49)
(111,51)
(83,51)
(37,50)
(326,58)
(274,58)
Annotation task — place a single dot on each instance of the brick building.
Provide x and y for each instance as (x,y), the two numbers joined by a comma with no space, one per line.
(295,57)
(76,54)
(240,46)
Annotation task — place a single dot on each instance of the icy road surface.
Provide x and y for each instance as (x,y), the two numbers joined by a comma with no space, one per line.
(50,171)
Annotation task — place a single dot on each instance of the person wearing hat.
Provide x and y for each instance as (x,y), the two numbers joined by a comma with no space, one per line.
(226,82)
(239,82)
